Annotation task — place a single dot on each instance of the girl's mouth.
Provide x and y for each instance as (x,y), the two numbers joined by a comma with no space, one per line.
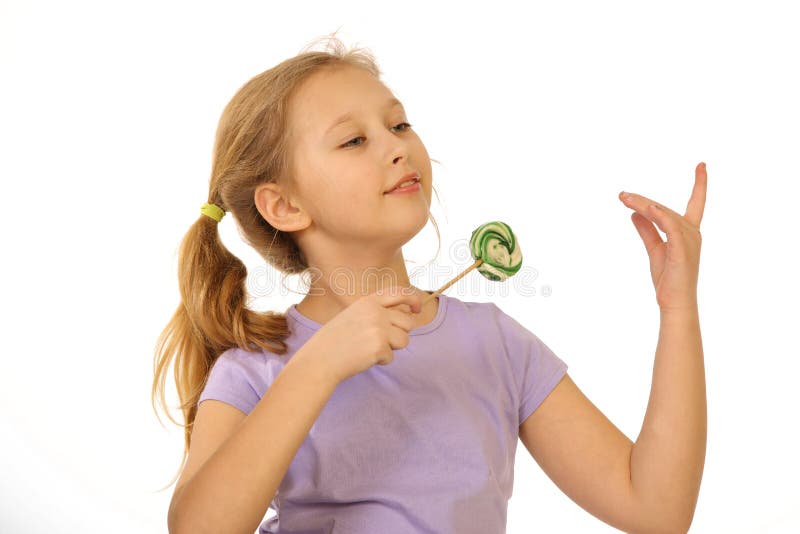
(411,188)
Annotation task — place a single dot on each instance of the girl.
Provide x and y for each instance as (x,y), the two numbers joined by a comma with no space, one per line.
(290,411)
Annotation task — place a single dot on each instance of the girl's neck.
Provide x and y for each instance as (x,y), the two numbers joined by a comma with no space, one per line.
(323,308)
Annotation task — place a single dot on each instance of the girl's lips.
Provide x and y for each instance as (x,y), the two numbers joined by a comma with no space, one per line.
(407,189)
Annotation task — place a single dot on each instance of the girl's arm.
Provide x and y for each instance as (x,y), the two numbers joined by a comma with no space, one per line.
(233,488)
(668,456)
(651,485)
(647,487)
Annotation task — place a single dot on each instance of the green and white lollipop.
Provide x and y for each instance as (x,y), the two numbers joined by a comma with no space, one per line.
(496,251)
(495,245)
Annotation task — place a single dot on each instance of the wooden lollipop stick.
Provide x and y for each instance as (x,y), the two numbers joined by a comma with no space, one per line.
(451,282)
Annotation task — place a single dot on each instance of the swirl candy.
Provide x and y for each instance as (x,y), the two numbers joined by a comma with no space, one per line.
(496,245)
(496,252)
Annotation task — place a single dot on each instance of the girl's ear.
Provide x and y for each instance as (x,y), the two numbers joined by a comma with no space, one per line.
(278,210)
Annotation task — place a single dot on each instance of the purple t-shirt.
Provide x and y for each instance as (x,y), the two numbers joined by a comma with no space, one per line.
(425,444)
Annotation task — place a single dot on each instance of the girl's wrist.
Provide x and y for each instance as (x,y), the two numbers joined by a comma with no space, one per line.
(318,369)
(680,314)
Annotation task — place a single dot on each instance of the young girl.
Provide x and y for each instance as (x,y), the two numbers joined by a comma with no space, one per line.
(290,411)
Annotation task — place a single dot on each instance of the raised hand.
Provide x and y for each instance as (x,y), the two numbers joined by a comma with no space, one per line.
(674,264)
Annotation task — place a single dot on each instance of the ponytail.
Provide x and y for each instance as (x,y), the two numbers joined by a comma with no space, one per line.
(211,318)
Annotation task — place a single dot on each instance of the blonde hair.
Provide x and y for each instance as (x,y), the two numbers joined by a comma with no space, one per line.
(252,147)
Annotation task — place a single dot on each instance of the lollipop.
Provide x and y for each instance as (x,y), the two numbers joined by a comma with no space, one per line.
(496,251)
(496,246)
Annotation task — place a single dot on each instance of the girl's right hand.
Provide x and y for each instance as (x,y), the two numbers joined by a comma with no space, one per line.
(364,333)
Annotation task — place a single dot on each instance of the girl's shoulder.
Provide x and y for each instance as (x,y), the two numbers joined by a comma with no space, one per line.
(472,309)
(470,317)
(489,318)
(251,363)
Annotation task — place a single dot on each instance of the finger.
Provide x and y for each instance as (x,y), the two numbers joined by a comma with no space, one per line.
(642,206)
(697,202)
(401,319)
(402,307)
(399,295)
(668,224)
(398,339)
(647,231)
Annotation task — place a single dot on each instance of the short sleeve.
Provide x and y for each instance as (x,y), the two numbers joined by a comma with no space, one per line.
(536,367)
(234,379)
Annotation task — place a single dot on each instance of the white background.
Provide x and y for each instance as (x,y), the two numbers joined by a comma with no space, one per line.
(541,113)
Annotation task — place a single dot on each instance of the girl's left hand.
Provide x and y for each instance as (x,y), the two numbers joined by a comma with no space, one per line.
(674,264)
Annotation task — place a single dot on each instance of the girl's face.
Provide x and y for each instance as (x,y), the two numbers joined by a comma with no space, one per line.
(352,143)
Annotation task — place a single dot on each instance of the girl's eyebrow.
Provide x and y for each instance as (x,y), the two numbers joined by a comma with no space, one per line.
(349,115)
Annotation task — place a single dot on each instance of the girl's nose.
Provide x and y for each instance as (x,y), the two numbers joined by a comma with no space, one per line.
(399,150)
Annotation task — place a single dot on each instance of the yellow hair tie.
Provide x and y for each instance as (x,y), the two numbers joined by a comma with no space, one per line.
(213,211)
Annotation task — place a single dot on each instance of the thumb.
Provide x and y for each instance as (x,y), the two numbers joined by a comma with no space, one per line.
(647,231)
(403,307)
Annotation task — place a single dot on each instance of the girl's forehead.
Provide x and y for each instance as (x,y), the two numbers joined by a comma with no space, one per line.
(329,99)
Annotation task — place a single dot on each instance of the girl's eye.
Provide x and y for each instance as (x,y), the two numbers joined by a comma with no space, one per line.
(405,124)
